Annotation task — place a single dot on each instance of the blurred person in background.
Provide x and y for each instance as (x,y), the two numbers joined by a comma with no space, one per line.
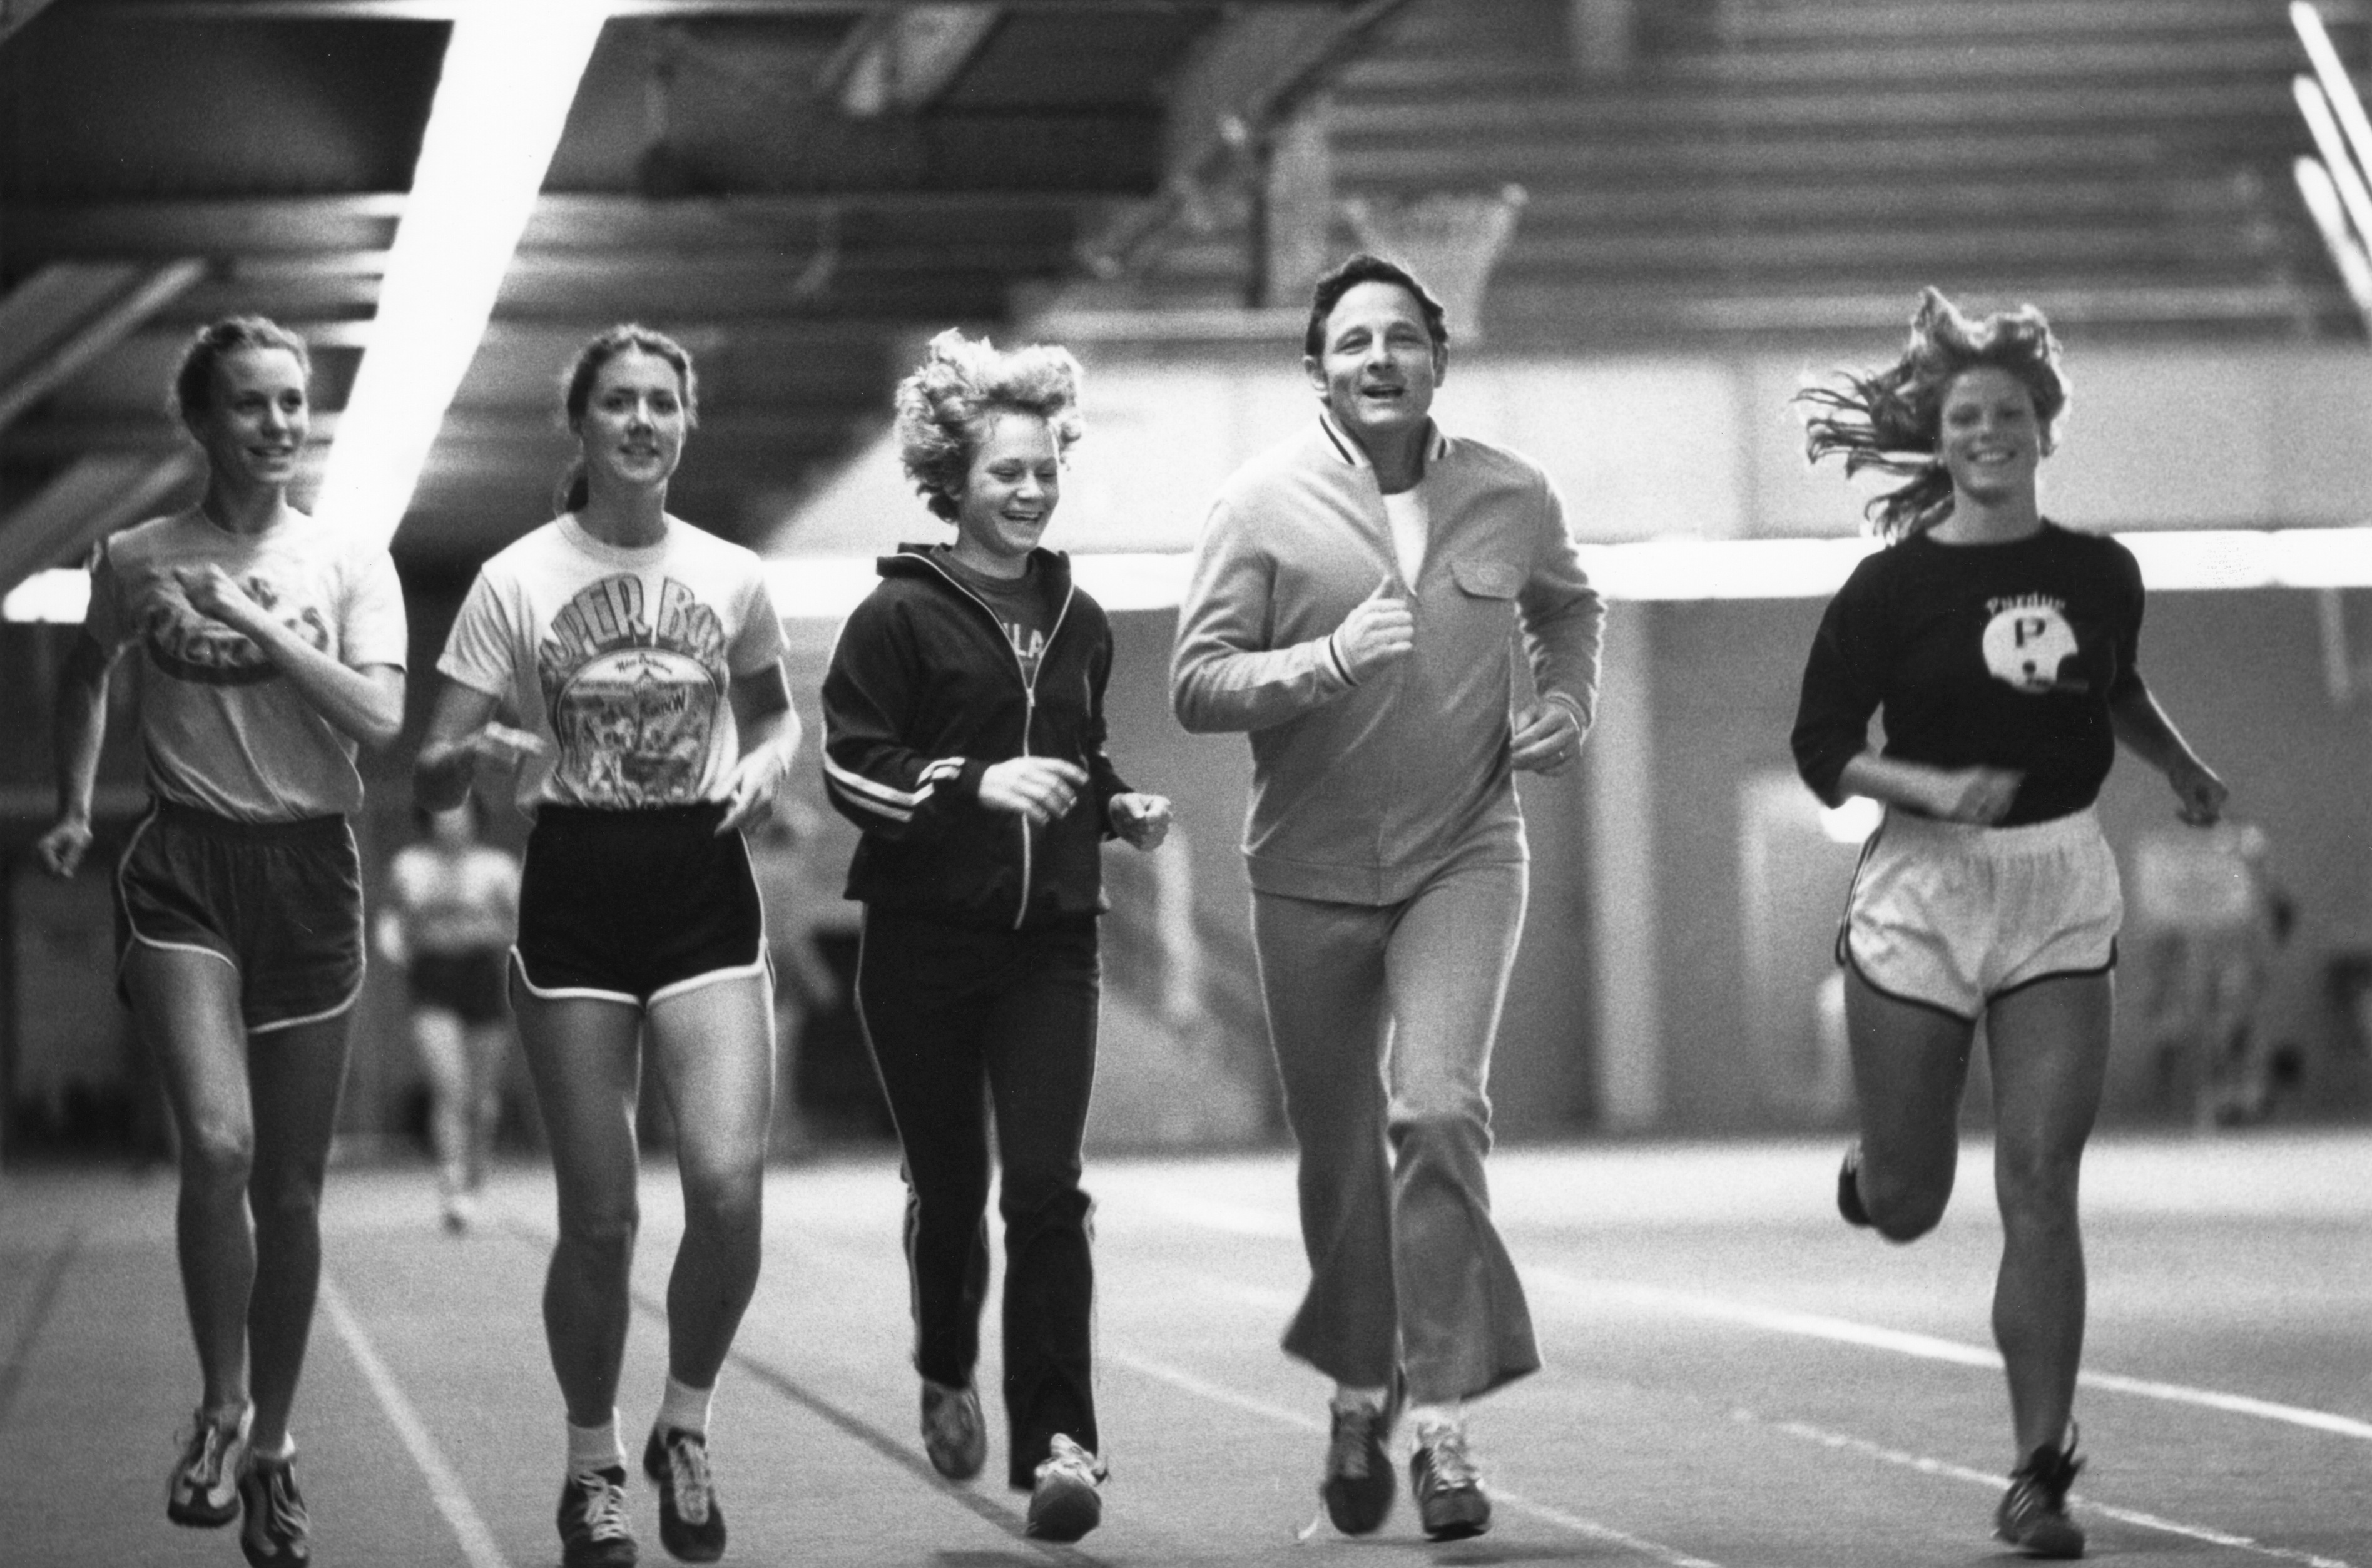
(2000,651)
(456,911)
(642,658)
(1351,605)
(964,733)
(272,650)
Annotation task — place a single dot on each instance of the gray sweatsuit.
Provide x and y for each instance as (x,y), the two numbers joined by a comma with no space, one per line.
(1385,852)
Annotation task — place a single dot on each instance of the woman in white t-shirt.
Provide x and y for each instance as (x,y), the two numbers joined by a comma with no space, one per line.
(271,648)
(640,660)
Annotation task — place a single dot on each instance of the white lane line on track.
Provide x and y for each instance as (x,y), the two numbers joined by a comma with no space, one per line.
(445,1487)
(1926,1465)
(1927,1347)
(1219,1393)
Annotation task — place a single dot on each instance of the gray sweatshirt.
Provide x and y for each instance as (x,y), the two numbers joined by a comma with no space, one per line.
(1360,792)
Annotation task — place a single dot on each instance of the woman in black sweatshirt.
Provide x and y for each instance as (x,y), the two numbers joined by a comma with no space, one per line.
(964,731)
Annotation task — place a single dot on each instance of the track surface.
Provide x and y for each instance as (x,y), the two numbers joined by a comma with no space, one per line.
(1734,1377)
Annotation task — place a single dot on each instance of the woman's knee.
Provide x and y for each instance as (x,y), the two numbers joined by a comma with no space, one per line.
(218,1153)
(725,1195)
(2036,1185)
(598,1229)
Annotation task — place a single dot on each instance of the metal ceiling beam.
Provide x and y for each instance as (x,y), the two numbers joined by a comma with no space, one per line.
(69,313)
(97,495)
(14,14)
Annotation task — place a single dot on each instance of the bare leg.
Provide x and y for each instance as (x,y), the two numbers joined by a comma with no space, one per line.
(186,1007)
(484,1046)
(582,1054)
(436,1034)
(2050,1057)
(716,1059)
(1910,1065)
(296,1074)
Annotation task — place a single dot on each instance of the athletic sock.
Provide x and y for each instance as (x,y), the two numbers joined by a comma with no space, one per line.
(1424,1417)
(684,1408)
(595,1447)
(1354,1396)
(281,1455)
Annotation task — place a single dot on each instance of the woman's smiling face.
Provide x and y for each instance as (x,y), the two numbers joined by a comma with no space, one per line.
(1011,490)
(1990,435)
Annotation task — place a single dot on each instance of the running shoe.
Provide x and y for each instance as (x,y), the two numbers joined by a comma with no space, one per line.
(692,1524)
(278,1533)
(1450,1501)
(955,1434)
(2033,1513)
(593,1528)
(1064,1504)
(204,1490)
(1849,1201)
(1357,1489)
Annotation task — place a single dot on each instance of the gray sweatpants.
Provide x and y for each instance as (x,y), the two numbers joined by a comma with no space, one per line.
(1382,1018)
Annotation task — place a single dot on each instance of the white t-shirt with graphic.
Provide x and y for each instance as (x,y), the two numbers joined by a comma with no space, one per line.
(619,660)
(225,730)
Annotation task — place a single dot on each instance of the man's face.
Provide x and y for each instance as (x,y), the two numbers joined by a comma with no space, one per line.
(1378,367)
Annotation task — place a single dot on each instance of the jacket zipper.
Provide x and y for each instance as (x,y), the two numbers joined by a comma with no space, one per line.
(1029,701)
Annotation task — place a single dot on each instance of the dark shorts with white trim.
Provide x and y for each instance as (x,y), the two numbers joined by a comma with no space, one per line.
(636,906)
(469,984)
(279,903)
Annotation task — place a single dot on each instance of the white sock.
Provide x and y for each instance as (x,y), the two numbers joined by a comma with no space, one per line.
(286,1452)
(1451,1415)
(1357,1397)
(595,1447)
(684,1408)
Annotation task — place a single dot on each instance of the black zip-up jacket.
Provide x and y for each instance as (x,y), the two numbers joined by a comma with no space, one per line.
(923,695)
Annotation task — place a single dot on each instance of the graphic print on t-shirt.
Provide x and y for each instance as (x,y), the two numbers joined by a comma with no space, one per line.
(1029,646)
(189,644)
(632,695)
(2026,641)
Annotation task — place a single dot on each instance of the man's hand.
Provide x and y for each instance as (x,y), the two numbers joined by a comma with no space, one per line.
(1380,631)
(1547,738)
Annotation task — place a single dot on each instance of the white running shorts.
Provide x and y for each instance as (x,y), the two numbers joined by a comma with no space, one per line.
(1950,916)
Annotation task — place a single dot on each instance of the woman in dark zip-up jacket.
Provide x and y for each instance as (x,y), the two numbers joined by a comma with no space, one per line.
(964,731)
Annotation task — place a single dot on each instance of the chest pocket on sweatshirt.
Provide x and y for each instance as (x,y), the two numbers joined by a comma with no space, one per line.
(1486,579)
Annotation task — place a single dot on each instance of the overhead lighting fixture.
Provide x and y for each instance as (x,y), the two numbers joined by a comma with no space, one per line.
(510,74)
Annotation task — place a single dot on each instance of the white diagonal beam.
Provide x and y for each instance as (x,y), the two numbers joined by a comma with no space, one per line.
(510,74)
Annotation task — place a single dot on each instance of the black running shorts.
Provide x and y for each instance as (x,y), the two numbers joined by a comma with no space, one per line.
(281,903)
(636,906)
(468,985)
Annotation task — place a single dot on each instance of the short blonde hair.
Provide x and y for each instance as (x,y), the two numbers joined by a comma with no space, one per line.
(943,407)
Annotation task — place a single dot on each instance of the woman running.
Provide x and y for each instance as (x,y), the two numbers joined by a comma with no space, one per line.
(644,659)
(272,649)
(2001,649)
(964,731)
(456,911)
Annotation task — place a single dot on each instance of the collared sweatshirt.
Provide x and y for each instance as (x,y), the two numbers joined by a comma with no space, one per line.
(923,695)
(1362,790)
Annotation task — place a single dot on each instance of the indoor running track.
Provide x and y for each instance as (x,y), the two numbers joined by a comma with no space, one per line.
(1734,1377)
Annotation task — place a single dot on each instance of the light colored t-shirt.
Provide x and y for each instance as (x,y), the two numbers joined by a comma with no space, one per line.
(1411,525)
(225,730)
(455,903)
(619,660)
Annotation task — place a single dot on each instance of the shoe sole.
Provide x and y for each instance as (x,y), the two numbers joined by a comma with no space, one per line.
(1463,1527)
(197,1519)
(1066,1515)
(1349,1515)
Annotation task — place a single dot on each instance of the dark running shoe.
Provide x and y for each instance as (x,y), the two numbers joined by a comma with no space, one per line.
(955,1434)
(1450,1501)
(277,1533)
(691,1525)
(1849,1189)
(204,1490)
(1064,1502)
(1358,1485)
(593,1528)
(2033,1513)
